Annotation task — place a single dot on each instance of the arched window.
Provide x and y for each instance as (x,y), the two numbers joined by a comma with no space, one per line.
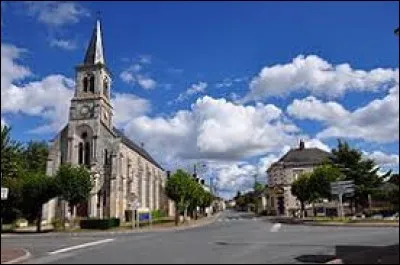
(105,86)
(91,87)
(85,84)
(80,154)
(87,154)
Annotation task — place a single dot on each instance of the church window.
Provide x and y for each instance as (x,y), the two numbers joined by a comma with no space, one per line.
(87,154)
(84,135)
(105,85)
(91,87)
(105,157)
(80,154)
(85,84)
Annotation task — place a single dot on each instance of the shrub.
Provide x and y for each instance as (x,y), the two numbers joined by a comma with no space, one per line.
(157,214)
(99,223)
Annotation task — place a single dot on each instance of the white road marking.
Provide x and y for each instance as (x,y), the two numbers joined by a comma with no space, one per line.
(81,246)
(275,227)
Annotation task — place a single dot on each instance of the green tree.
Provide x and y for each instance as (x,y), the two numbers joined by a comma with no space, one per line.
(359,169)
(11,158)
(178,188)
(321,178)
(35,156)
(37,189)
(11,172)
(301,189)
(74,185)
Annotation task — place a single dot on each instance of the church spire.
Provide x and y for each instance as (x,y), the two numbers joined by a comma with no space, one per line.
(94,53)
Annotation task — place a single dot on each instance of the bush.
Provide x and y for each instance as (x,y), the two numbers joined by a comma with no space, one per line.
(99,223)
(157,214)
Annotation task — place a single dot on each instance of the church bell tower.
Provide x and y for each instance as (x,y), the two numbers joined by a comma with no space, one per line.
(91,107)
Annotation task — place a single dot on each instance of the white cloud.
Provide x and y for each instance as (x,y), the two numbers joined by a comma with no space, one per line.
(215,129)
(146,82)
(133,76)
(128,106)
(316,143)
(314,109)
(383,159)
(228,82)
(378,121)
(145,59)
(63,44)
(57,13)
(193,89)
(312,73)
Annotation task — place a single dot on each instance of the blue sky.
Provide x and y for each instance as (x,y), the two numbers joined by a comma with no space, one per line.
(323,69)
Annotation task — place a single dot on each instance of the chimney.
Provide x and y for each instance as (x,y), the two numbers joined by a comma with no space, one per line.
(302,146)
(142,145)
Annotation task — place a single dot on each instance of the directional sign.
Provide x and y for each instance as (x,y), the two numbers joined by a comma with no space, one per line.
(4,193)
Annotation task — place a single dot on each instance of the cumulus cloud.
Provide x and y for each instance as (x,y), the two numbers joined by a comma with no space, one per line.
(377,121)
(317,76)
(54,13)
(193,89)
(128,106)
(383,159)
(63,44)
(215,129)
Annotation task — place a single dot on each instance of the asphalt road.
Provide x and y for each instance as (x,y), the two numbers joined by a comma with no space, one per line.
(233,238)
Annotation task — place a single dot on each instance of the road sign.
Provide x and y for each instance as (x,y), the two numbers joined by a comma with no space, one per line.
(341,188)
(4,193)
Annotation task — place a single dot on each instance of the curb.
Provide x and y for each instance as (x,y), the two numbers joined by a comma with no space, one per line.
(105,233)
(19,259)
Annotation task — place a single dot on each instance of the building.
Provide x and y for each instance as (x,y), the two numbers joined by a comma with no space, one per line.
(122,171)
(282,173)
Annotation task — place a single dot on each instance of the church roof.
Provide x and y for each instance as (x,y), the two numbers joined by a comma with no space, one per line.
(95,52)
(128,142)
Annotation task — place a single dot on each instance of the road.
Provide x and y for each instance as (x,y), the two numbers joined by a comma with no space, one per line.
(233,238)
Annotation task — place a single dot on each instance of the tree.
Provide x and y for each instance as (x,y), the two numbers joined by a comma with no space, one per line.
(321,178)
(11,159)
(362,171)
(301,189)
(35,156)
(74,185)
(11,172)
(37,189)
(178,189)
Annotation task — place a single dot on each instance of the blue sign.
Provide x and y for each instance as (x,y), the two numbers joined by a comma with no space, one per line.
(144,216)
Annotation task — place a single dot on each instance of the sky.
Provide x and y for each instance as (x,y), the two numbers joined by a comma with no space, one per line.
(229,85)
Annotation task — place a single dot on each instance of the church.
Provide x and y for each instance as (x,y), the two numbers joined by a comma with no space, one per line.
(122,171)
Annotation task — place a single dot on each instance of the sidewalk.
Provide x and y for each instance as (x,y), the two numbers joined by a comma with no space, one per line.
(13,255)
(366,255)
(121,231)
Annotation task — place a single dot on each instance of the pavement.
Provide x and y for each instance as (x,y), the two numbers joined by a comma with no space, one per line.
(13,255)
(233,238)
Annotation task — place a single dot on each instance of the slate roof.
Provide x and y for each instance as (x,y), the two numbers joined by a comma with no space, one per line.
(132,145)
(306,155)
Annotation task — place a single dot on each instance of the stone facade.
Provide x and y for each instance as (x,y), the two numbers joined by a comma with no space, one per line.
(281,175)
(121,170)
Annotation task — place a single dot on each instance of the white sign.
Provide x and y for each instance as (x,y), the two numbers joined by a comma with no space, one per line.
(135,204)
(4,193)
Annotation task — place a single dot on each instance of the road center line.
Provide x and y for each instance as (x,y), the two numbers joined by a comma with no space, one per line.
(81,246)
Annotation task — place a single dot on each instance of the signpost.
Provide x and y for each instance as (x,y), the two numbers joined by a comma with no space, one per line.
(341,188)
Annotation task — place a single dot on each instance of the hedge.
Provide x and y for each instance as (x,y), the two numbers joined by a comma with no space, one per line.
(99,223)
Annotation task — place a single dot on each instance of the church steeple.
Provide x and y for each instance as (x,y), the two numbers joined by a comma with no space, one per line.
(95,53)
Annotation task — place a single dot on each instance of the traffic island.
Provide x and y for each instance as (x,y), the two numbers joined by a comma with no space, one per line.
(14,255)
